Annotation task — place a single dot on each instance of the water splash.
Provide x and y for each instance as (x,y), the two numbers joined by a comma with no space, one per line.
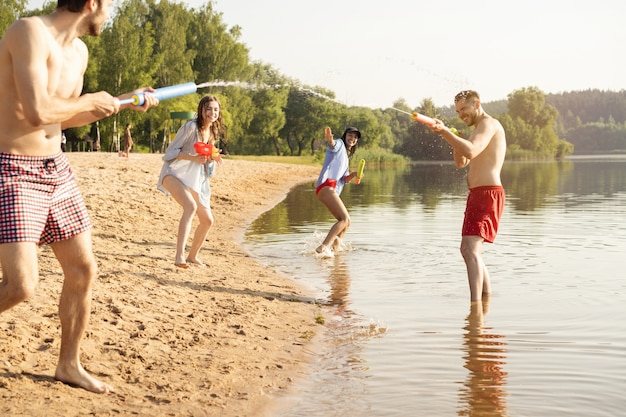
(401,111)
(256,86)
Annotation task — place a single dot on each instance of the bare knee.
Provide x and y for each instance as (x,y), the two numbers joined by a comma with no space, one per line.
(18,290)
(345,221)
(471,248)
(81,274)
(468,252)
(207,221)
(189,210)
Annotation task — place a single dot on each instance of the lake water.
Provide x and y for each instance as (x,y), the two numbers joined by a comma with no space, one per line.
(403,339)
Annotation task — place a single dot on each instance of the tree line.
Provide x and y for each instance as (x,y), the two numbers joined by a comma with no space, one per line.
(150,43)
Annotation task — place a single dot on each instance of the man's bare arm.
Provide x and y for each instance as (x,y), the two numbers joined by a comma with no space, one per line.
(459,160)
(31,74)
(467,148)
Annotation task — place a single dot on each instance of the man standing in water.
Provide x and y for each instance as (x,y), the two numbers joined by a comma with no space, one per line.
(42,64)
(484,152)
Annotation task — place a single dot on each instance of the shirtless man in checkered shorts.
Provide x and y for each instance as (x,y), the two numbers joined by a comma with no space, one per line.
(42,63)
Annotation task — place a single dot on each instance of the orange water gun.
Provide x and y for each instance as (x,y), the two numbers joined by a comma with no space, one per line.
(428,121)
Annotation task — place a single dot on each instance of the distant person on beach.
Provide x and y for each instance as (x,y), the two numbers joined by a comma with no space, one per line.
(42,63)
(334,175)
(128,141)
(185,176)
(484,152)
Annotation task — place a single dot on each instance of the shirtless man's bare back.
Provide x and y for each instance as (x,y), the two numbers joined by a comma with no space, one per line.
(485,149)
(42,64)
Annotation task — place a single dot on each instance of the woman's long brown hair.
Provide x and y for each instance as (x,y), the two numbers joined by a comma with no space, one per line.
(217,129)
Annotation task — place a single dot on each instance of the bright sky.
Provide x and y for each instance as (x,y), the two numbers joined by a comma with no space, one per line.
(371,53)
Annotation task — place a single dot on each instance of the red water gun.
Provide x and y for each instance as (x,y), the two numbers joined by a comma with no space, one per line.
(207,149)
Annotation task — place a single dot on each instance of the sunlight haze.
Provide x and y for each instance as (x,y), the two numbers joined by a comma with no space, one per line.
(371,53)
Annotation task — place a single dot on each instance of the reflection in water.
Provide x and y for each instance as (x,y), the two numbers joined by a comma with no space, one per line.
(483,391)
(345,324)
(339,282)
(530,187)
(337,387)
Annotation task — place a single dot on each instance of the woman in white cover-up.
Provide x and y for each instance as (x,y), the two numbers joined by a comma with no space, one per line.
(185,176)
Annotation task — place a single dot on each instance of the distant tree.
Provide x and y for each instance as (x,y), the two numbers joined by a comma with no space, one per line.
(172,58)
(121,60)
(218,53)
(10,10)
(307,112)
(529,104)
(268,101)
(421,143)
(530,124)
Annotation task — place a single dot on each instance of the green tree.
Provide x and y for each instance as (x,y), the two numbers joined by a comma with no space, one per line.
(529,104)
(268,101)
(237,112)
(307,113)
(122,60)
(10,10)
(171,53)
(421,143)
(531,124)
(218,53)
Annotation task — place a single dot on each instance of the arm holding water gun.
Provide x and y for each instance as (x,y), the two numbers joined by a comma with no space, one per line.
(149,100)
(449,134)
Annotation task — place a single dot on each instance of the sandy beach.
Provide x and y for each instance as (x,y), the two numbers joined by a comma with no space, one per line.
(223,340)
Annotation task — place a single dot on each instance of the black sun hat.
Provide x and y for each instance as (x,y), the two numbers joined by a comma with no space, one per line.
(351,129)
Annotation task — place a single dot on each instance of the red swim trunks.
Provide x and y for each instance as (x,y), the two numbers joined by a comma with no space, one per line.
(483,212)
(39,200)
(328,183)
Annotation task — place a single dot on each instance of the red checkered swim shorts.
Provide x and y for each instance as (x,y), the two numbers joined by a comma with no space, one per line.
(39,200)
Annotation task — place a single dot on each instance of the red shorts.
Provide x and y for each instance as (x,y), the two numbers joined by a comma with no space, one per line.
(483,212)
(328,183)
(39,200)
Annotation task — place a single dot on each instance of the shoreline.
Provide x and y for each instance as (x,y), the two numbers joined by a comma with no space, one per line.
(223,340)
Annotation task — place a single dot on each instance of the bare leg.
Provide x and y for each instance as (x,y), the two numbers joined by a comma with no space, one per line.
(19,273)
(184,197)
(471,249)
(79,270)
(206,221)
(331,200)
(486,282)
(337,241)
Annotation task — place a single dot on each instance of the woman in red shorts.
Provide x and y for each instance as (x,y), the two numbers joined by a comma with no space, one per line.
(334,175)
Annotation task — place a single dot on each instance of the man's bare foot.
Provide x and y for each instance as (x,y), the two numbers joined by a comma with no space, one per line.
(336,244)
(80,378)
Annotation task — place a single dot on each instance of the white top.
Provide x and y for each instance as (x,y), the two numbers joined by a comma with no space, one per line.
(336,165)
(193,175)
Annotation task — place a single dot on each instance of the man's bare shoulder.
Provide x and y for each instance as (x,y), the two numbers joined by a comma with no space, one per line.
(27,29)
(490,123)
(25,25)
